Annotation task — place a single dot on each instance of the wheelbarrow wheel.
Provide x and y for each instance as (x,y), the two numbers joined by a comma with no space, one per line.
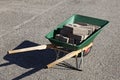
(86,52)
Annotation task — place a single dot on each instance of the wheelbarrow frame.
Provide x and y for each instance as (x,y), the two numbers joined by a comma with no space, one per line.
(57,61)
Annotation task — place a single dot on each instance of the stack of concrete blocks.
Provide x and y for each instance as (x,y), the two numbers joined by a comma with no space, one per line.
(62,38)
(75,33)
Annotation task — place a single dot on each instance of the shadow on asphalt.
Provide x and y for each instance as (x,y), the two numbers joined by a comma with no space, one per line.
(67,66)
(36,60)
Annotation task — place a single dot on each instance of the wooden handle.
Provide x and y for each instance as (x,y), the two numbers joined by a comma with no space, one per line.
(69,55)
(28,49)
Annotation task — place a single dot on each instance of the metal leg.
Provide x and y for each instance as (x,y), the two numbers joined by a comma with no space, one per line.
(57,54)
(76,58)
(81,59)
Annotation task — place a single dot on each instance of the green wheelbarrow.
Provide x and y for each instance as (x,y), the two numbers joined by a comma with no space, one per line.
(82,49)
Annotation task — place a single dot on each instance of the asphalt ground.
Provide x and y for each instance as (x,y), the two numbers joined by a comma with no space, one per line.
(24,23)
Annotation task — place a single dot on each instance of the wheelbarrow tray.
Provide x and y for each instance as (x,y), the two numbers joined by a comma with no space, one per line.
(74,19)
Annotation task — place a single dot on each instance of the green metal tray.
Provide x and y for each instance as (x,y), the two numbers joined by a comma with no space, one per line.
(74,19)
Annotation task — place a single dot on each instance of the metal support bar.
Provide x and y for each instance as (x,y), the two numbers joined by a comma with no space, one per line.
(81,59)
(57,54)
(76,58)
